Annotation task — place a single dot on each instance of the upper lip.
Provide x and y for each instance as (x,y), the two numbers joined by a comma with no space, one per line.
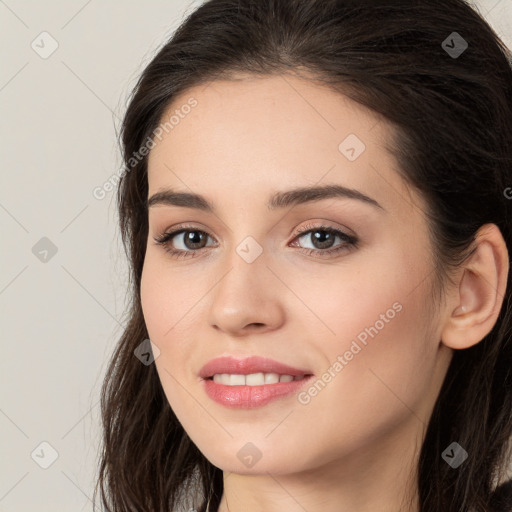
(253,364)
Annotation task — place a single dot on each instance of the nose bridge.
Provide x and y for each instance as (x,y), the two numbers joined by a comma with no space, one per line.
(246,267)
(244,295)
(246,238)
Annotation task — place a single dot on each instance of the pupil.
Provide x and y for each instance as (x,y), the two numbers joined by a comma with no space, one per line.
(318,238)
(194,237)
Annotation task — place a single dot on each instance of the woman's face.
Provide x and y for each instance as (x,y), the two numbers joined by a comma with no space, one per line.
(355,317)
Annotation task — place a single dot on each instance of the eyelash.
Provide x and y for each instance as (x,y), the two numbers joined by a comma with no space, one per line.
(350,241)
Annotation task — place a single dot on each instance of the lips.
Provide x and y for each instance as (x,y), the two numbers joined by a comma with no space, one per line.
(247,366)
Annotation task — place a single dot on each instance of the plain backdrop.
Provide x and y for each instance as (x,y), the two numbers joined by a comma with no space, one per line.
(66,70)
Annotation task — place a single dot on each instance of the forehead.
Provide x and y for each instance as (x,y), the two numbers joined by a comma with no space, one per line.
(278,111)
(256,134)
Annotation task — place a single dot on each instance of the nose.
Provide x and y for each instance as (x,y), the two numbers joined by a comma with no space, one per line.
(247,298)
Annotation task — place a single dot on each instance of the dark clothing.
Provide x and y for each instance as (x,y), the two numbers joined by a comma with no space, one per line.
(502,498)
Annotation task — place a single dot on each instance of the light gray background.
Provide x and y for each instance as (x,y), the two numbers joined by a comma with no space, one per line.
(62,317)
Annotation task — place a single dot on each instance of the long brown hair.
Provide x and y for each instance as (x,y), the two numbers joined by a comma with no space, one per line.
(442,77)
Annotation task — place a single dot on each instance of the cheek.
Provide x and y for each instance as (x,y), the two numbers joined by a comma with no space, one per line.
(168,300)
(363,299)
(381,330)
(378,391)
(164,306)
(171,301)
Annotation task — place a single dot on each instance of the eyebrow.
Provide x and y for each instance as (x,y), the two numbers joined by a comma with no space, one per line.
(279,200)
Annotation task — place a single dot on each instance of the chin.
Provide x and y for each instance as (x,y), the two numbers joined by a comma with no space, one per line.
(239,461)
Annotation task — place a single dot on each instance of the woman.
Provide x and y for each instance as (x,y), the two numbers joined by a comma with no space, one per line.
(317,210)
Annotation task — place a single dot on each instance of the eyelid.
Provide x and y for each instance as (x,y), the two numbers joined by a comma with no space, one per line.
(324,224)
(182,227)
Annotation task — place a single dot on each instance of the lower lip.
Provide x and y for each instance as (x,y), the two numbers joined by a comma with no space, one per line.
(248,397)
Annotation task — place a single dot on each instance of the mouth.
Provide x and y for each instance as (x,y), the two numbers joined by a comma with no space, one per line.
(251,371)
(254,379)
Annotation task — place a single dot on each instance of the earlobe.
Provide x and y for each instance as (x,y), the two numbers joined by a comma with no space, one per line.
(475,308)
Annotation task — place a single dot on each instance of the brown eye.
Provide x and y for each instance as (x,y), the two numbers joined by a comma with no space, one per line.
(191,242)
(323,239)
(193,239)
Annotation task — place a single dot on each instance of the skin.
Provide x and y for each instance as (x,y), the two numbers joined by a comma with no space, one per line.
(355,445)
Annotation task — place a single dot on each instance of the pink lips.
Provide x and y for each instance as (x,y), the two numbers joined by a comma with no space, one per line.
(247,397)
(253,364)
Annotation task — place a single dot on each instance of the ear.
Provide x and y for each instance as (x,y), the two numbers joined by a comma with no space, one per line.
(473,309)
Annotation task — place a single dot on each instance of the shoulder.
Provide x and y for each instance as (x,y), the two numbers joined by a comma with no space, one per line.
(501,500)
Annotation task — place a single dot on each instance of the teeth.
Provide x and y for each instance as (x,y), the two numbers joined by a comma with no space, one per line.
(253,379)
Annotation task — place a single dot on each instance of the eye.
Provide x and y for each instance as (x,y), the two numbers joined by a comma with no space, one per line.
(194,239)
(323,243)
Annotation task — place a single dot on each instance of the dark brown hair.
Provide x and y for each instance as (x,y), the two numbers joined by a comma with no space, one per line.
(452,125)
